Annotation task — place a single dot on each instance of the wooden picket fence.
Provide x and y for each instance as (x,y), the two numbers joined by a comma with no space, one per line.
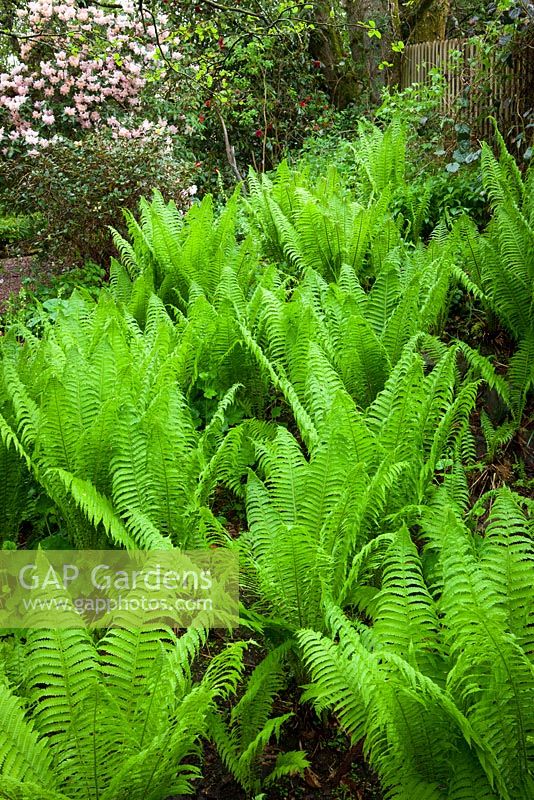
(505,92)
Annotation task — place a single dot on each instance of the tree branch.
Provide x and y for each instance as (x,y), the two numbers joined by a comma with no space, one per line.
(230,152)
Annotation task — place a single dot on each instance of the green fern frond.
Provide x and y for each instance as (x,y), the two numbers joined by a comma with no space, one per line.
(520,375)
(406,618)
(23,756)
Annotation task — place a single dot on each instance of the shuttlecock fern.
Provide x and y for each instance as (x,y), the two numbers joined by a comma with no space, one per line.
(121,720)
(439,683)
(500,263)
(106,430)
(242,739)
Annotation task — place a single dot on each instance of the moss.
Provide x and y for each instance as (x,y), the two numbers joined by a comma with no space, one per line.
(432,24)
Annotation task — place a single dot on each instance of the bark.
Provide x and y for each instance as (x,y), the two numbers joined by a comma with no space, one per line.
(369,52)
(327,47)
(428,20)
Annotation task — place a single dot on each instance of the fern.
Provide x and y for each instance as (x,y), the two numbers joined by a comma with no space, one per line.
(318,228)
(499,265)
(105,430)
(440,686)
(242,740)
(120,723)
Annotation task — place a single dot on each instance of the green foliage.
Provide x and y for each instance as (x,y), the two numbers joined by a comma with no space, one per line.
(96,412)
(498,266)
(242,740)
(16,228)
(424,681)
(313,227)
(197,267)
(407,152)
(15,492)
(80,187)
(314,522)
(381,157)
(282,357)
(246,69)
(118,720)
(180,256)
(42,296)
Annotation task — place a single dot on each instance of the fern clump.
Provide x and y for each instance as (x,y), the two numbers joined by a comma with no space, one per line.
(121,719)
(96,414)
(498,266)
(242,739)
(440,682)
(286,358)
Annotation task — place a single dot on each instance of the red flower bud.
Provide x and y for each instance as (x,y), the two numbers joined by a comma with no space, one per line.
(259,133)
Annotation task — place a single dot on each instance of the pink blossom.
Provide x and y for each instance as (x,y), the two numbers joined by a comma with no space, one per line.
(86,66)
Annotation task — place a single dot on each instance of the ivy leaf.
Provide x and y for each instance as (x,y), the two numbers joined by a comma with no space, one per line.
(474,156)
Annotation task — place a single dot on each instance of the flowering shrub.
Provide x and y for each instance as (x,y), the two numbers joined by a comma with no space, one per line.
(82,186)
(79,68)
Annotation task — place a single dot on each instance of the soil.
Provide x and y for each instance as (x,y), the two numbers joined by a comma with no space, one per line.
(12,273)
(513,464)
(337,771)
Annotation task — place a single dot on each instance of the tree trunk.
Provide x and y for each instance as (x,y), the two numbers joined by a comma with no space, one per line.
(429,20)
(327,47)
(369,52)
